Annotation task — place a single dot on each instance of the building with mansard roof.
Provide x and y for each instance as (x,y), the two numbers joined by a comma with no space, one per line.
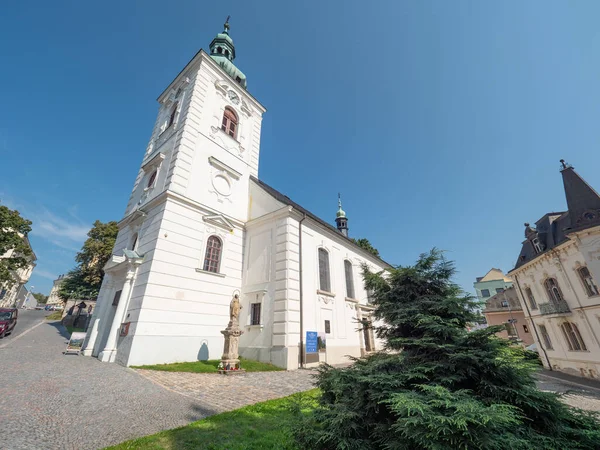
(201,227)
(556,278)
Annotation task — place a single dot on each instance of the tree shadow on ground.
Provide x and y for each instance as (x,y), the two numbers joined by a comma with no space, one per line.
(263,426)
(60,329)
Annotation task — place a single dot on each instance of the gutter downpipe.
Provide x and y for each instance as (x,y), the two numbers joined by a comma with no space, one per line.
(533,323)
(300,291)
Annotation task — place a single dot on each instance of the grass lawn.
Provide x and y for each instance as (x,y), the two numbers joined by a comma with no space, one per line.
(56,315)
(73,329)
(265,425)
(210,366)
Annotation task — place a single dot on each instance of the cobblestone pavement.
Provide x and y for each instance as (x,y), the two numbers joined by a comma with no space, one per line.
(52,401)
(575,394)
(223,393)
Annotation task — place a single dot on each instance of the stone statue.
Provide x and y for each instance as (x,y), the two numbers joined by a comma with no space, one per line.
(234,309)
(230,362)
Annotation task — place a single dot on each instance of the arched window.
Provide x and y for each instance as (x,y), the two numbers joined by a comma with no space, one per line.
(134,240)
(531,298)
(212,259)
(173,114)
(219,50)
(152,179)
(573,337)
(546,337)
(324,280)
(349,279)
(553,291)
(226,52)
(588,282)
(230,122)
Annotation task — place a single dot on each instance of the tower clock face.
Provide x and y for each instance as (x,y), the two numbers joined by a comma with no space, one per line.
(233,97)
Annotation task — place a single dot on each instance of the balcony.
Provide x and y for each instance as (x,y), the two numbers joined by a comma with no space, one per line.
(554,308)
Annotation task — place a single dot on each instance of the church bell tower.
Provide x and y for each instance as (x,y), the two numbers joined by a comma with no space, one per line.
(178,256)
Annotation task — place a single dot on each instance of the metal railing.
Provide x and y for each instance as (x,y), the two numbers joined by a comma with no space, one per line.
(554,308)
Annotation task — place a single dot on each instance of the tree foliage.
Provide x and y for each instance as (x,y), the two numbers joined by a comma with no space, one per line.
(13,233)
(41,298)
(84,281)
(366,245)
(438,386)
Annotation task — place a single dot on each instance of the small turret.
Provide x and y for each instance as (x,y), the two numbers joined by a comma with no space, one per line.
(222,51)
(340,218)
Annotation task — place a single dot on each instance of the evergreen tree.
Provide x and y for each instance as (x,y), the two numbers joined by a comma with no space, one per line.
(438,386)
(366,245)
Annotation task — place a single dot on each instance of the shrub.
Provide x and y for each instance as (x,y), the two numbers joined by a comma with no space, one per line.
(438,386)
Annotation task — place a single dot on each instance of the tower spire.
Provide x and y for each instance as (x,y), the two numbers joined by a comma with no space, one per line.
(340,218)
(222,51)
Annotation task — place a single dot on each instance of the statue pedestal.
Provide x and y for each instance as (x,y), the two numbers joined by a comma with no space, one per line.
(230,363)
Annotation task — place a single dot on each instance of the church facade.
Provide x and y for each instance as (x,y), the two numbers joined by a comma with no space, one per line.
(201,227)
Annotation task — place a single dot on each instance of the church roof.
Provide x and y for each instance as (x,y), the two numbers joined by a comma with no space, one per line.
(552,229)
(288,201)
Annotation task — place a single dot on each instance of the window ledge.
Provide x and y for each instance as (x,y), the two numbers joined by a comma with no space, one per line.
(255,327)
(351,300)
(228,135)
(325,293)
(216,274)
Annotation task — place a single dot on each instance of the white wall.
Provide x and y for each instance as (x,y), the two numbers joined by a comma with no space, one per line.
(272,276)
(177,310)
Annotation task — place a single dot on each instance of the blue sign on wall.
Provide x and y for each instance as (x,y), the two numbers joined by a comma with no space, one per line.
(311,342)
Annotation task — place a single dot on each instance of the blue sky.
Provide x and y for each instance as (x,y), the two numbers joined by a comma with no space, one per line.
(441,123)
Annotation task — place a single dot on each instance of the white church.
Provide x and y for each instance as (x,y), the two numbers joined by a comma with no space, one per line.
(201,227)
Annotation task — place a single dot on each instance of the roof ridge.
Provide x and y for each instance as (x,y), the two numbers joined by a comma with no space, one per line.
(280,196)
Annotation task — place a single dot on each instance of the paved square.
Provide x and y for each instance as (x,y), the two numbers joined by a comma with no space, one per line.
(52,401)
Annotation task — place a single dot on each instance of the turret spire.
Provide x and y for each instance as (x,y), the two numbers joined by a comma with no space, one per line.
(222,51)
(340,218)
(582,200)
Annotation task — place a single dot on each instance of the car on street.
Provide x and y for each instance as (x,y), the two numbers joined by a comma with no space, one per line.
(8,320)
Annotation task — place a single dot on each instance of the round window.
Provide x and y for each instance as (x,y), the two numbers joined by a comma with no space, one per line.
(222,184)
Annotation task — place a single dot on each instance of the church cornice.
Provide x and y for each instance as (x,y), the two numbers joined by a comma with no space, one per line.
(163,196)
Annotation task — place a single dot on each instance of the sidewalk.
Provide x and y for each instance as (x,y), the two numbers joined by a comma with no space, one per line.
(580,382)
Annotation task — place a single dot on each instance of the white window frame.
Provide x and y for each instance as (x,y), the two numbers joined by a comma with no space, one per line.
(200,268)
(587,288)
(351,266)
(256,297)
(329,272)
